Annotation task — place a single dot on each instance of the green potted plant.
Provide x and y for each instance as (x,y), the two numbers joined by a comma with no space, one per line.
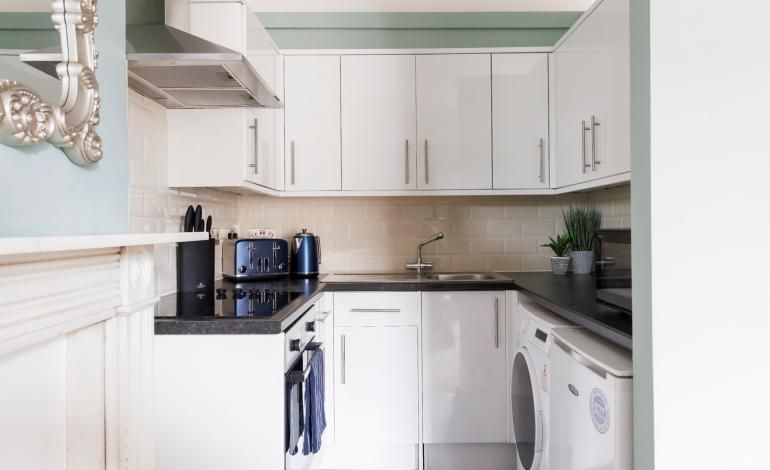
(560,259)
(581,224)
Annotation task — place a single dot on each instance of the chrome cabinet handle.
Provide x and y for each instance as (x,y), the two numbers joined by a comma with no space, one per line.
(255,165)
(497,323)
(427,179)
(293,179)
(541,146)
(583,130)
(375,310)
(342,360)
(406,161)
(594,125)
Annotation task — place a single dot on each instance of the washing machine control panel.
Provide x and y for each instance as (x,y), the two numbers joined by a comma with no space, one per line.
(538,335)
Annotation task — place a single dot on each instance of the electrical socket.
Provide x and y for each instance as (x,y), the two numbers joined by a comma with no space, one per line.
(220,233)
(261,233)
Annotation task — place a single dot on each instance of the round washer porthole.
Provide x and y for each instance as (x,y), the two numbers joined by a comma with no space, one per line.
(525,407)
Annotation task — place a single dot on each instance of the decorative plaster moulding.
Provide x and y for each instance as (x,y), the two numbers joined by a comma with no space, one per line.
(25,119)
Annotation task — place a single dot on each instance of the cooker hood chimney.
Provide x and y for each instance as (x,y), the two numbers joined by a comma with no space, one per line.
(179,70)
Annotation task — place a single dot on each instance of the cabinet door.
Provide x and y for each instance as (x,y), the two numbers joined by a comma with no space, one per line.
(206,147)
(378,122)
(454,121)
(376,385)
(574,78)
(520,120)
(260,148)
(464,372)
(312,123)
(592,86)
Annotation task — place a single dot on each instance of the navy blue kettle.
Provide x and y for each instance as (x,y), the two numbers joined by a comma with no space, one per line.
(305,254)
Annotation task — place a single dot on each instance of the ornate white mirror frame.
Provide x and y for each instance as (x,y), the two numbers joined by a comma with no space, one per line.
(25,119)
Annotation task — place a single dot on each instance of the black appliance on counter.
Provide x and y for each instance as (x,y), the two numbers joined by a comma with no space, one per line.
(613,268)
(257,258)
(195,266)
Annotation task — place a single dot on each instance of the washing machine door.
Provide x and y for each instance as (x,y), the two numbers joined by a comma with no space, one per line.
(527,411)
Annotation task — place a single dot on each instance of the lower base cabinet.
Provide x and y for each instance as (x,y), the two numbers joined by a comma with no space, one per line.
(376,385)
(464,367)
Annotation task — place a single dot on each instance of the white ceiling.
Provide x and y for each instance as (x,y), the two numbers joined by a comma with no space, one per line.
(417,5)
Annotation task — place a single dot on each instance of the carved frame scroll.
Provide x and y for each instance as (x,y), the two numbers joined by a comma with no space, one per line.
(25,119)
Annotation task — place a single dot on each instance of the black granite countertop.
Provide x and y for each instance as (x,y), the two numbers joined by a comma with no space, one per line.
(572,297)
(196,313)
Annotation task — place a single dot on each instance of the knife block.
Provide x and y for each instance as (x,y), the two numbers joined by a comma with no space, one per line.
(195,266)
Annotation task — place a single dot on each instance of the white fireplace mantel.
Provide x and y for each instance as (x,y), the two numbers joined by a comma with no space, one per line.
(29,245)
(76,328)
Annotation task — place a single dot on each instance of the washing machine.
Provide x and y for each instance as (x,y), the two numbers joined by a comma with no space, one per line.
(530,384)
(591,394)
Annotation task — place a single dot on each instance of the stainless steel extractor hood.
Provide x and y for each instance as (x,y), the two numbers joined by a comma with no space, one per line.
(179,70)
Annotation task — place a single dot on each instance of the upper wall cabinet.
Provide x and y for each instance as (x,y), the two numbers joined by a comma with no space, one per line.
(230,24)
(223,148)
(520,121)
(591,97)
(379,122)
(454,121)
(312,123)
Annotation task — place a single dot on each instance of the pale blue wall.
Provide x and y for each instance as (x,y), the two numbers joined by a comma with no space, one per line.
(42,192)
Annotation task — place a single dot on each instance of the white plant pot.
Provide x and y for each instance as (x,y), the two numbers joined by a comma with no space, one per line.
(560,264)
(582,261)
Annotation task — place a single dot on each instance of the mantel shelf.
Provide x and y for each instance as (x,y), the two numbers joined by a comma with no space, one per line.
(31,245)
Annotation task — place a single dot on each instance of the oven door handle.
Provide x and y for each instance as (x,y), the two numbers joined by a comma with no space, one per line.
(301,376)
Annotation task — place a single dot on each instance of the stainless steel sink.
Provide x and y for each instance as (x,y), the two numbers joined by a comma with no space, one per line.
(449,277)
(411,277)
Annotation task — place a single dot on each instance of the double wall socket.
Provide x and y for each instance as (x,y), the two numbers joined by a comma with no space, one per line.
(261,233)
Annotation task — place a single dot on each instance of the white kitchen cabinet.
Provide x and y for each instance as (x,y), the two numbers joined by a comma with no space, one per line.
(454,121)
(226,148)
(464,367)
(376,368)
(520,121)
(312,123)
(378,122)
(591,97)
(230,24)
(376,385)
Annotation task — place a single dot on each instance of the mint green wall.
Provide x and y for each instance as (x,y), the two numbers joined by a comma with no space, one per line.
(42,192)
(356,30)
(26,31)
(644,426)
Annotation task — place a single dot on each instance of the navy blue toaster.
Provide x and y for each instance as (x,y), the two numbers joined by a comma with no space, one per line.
(257,258)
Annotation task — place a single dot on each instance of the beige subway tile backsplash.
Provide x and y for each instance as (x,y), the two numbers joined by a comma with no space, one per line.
(381,234)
